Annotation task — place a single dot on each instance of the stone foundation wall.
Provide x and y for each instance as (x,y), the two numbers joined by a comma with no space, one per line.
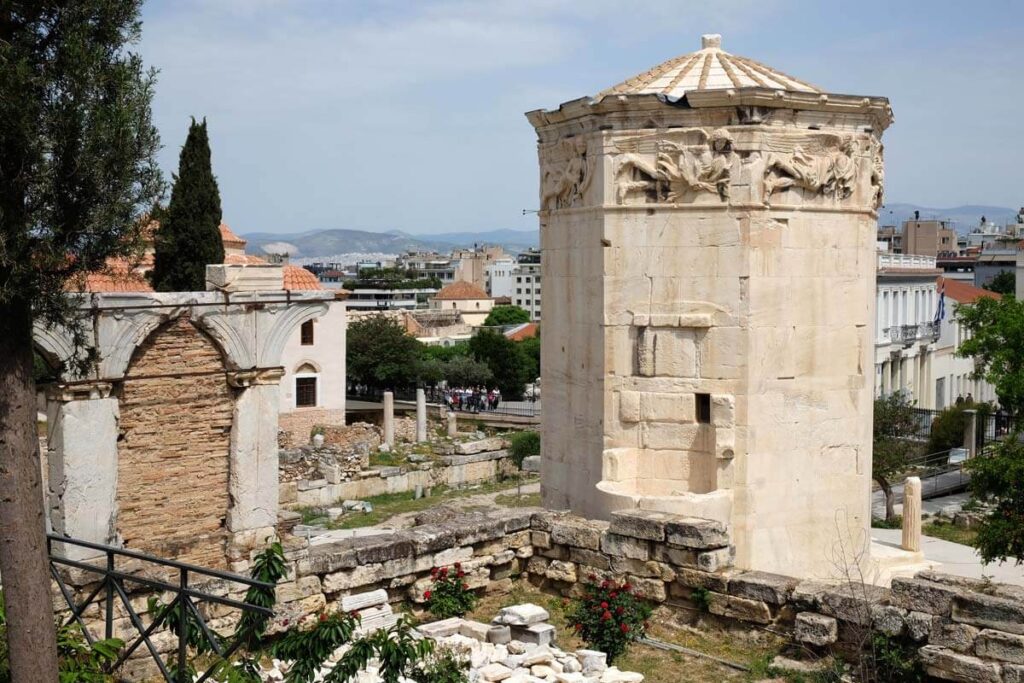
(967,630)
(174,447)
(450,470)
(297,425)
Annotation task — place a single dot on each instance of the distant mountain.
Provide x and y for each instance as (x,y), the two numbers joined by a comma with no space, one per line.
(965,218)
(317,243)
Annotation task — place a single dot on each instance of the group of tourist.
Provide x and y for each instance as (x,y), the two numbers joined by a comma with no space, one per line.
(472,399)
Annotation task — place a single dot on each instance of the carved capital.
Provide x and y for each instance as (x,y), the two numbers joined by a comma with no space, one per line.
(79,391)
(246,378)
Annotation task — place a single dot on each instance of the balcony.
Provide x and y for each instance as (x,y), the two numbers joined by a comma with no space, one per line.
(908,334)
(905,262)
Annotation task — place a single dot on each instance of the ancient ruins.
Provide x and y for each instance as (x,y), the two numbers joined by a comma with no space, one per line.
(708,230)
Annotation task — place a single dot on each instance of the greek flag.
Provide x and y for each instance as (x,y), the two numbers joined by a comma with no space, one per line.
(940,310)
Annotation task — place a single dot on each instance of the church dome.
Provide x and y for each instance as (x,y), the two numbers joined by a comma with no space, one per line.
(710,68)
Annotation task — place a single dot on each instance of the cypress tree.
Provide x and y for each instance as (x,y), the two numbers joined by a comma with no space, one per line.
(189,238)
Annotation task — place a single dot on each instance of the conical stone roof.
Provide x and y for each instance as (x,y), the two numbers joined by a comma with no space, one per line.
(710,68)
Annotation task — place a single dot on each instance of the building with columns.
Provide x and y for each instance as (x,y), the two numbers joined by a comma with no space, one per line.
(708,230)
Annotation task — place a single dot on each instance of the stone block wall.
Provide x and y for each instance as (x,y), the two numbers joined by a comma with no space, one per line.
(297,425)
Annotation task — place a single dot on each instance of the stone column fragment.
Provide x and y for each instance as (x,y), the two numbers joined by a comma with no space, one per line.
(421,416)
(389,418)
(912,514)
(453,427)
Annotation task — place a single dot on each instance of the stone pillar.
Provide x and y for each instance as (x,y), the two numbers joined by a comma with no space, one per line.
(453,427)
(253,482)
(421,416)
(912,514)
(971,432)
(82,465)
(389,418)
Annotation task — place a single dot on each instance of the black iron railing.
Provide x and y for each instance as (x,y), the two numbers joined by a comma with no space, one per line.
(459,402)
(111,581)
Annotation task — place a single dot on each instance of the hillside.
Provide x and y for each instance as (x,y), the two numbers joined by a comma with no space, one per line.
(965,217)
(317,243)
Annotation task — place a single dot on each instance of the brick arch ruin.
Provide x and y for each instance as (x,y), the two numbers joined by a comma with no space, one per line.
(174,442)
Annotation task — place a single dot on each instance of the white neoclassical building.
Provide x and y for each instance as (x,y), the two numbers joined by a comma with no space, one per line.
(905,329)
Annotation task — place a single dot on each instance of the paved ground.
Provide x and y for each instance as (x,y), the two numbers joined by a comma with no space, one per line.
(956,559)
(942,482)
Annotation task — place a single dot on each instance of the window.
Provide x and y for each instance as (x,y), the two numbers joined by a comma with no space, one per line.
(305,392)
(704,408)
(307,333)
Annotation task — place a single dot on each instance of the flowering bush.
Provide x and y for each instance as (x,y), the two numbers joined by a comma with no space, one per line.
(449,596)
(609,616)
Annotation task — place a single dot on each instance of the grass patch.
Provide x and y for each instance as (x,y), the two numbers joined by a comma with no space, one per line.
(511,500)
(947,532)
(387,505)
(880,523)
(392,458)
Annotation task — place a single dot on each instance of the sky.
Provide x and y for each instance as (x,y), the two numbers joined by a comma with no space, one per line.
(389,114)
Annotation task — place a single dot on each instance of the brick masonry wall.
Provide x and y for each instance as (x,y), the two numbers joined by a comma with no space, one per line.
(172,483)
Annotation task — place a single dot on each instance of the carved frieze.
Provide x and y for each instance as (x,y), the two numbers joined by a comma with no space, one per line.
(816,163)
(566,176)
(675,170)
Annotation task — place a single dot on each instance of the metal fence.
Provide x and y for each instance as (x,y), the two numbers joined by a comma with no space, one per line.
(940,473)
(186,609)
(455,401)
(995,427)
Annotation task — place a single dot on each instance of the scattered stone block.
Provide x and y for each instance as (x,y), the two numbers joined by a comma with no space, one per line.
(531,463)
(957,637)
(592,661)
(625,546)
(643,524)
(739,608)
(536,634)
(921,595)
(774,589)
(561,571)
(499,634)
(889,620)
(525,614)
(364,600)
(987,611)
(816,629)
(441,629)
(1005,647)
(694,532)
(919,625)
(579,533)
(948,665)
(474,629)
(494,672)
(715,560)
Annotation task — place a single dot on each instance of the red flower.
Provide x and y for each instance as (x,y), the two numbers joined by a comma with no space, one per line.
(592,577)
(627,587)
(619,611)
(323,616)
(604,605)
(426,595)
(460,574)
(604,584)
(458,566)
(606,616)
(285,622)
(624,628)
(614,595)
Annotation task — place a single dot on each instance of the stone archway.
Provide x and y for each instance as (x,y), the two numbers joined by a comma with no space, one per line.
(174,446)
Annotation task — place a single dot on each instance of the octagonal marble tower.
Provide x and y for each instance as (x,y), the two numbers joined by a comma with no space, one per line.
(708,234)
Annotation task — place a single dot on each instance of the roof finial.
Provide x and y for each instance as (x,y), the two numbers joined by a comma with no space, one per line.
(711,40)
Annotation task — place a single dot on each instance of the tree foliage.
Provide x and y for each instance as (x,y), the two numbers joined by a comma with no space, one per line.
(995,340)
(1005,283)
(509,366)
(507,315)
(381,355)
(77,169)
(189,236)
(947,430)
(465,371)
(895,425)
(999,479)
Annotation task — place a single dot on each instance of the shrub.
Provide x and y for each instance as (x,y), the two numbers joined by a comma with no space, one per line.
(449,596)
(445,665)
(701,597)
(608,617)
(523,444)
(947,430)
(895,661)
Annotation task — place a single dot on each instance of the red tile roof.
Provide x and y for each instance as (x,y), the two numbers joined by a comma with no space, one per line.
(964,293)
(300,279)
(229,238)
(524,331)
(244,260)
(117,276)
(461,291)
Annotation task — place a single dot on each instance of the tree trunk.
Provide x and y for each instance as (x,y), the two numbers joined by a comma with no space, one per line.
(24,566)
(890,507)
